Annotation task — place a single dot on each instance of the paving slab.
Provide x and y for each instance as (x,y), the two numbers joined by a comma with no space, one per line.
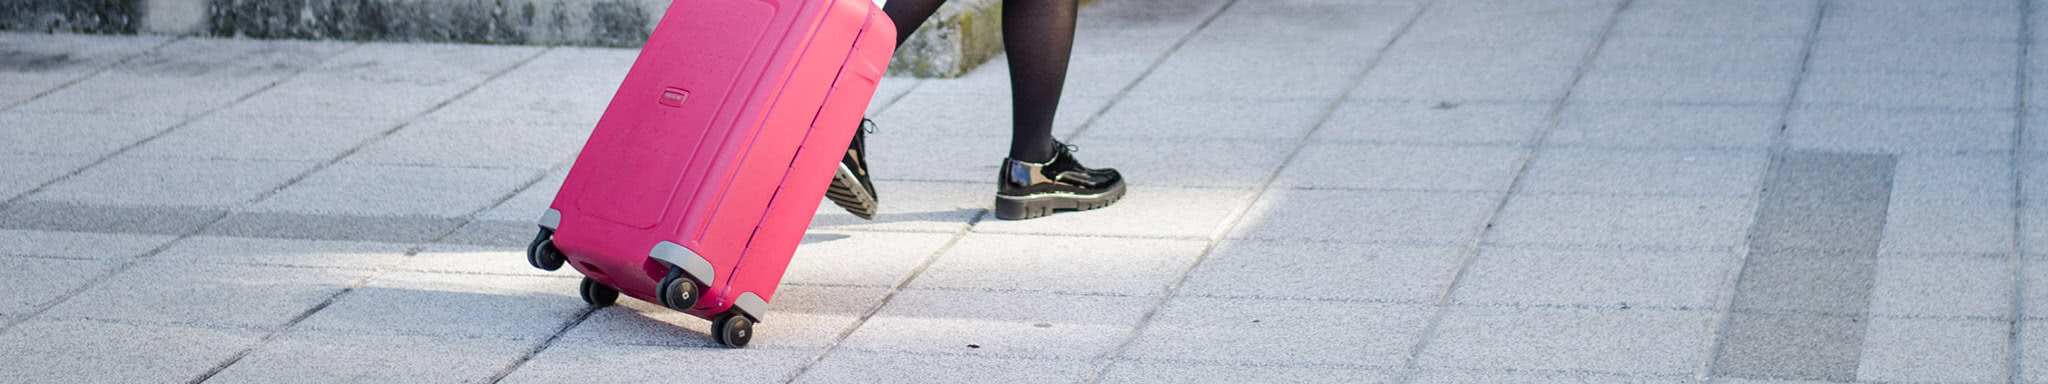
(1403,167)
(73,134)
(137,180)
(62,216)
(2033,360)
(436,304)
(77,245)
(1206,76)
(1655,172)
(1324,270)
(384,229)
(1986,178)
(1515,18)
(1948,90)
(1623,221)
(212,295)
(1146,372)
(928,158)
(1280,332)
(34,282)
(624,364)
(569,86)
(1159,118)
(1434,122)
(1934,227)
(213,250)
(72,54)
(1978,287)
(1790,347)
(1874,129)
(481,145)
(478,259)
(1837,283)
(860,258)
(1329,215)
(1089,76)
(91,351)
(799,317)
(505,234)
(1652,342)
(1199,163)
(999,324)
(1453,376)
(124,93)
(1532,50)
(530,203)
(914,206)
(1885,55)
(1479,82)
(390,190)
(924,113)
(264,138)
(1066,265)
(223,58)
(853,366)
(1188,213)
(384,80)
(1932,25)
(1702,54)
(22,173)
(1614,279)
(1685,86)
(1899,350)
(354,357)
(1684,18)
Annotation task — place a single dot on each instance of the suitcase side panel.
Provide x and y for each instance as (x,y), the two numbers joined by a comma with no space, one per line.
(613,248)
(668,112)
(796,202)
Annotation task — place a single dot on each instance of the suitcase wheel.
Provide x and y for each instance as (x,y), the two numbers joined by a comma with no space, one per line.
(597,294)
(732,329)
(677,292)
(541,253)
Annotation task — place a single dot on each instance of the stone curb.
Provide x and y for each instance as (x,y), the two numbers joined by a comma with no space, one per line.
(960,36)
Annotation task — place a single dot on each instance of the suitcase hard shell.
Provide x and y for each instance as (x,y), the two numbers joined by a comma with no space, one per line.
(698,182)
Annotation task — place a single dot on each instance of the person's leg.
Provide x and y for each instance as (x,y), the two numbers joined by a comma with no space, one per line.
(1041,176)
(1039,37)
(909,14)
(851,187)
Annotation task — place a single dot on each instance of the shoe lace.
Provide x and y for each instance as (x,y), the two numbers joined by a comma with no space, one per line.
(1070,148)
(867,125)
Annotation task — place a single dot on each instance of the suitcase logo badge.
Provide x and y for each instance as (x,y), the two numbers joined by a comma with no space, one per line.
(674,97)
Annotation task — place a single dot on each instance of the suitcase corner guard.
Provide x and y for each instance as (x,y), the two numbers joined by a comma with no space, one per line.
(691,263)
(751,305)
(552,219)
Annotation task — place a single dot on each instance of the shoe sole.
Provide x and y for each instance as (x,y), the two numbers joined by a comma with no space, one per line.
(847,192)
(1032,207)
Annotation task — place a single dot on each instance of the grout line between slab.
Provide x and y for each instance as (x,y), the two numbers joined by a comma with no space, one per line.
(1238,215)
(1717,331)
(93,74)
(2015,260)
(131,262)
(415,249)
(1552,118)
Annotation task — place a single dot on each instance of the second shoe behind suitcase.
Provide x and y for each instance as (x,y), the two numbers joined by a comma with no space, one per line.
(699,181)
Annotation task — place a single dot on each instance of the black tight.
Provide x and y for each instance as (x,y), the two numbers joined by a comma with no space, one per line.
(1039,37)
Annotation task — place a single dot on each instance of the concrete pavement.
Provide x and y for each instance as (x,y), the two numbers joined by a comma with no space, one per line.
(1420,191)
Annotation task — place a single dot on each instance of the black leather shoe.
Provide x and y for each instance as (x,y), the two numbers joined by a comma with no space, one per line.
(851,187)
(1031,190)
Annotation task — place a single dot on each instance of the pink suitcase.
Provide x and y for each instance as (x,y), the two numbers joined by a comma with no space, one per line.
(703,174)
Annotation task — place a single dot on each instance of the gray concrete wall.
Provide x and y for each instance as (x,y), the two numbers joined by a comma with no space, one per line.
(962,35)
